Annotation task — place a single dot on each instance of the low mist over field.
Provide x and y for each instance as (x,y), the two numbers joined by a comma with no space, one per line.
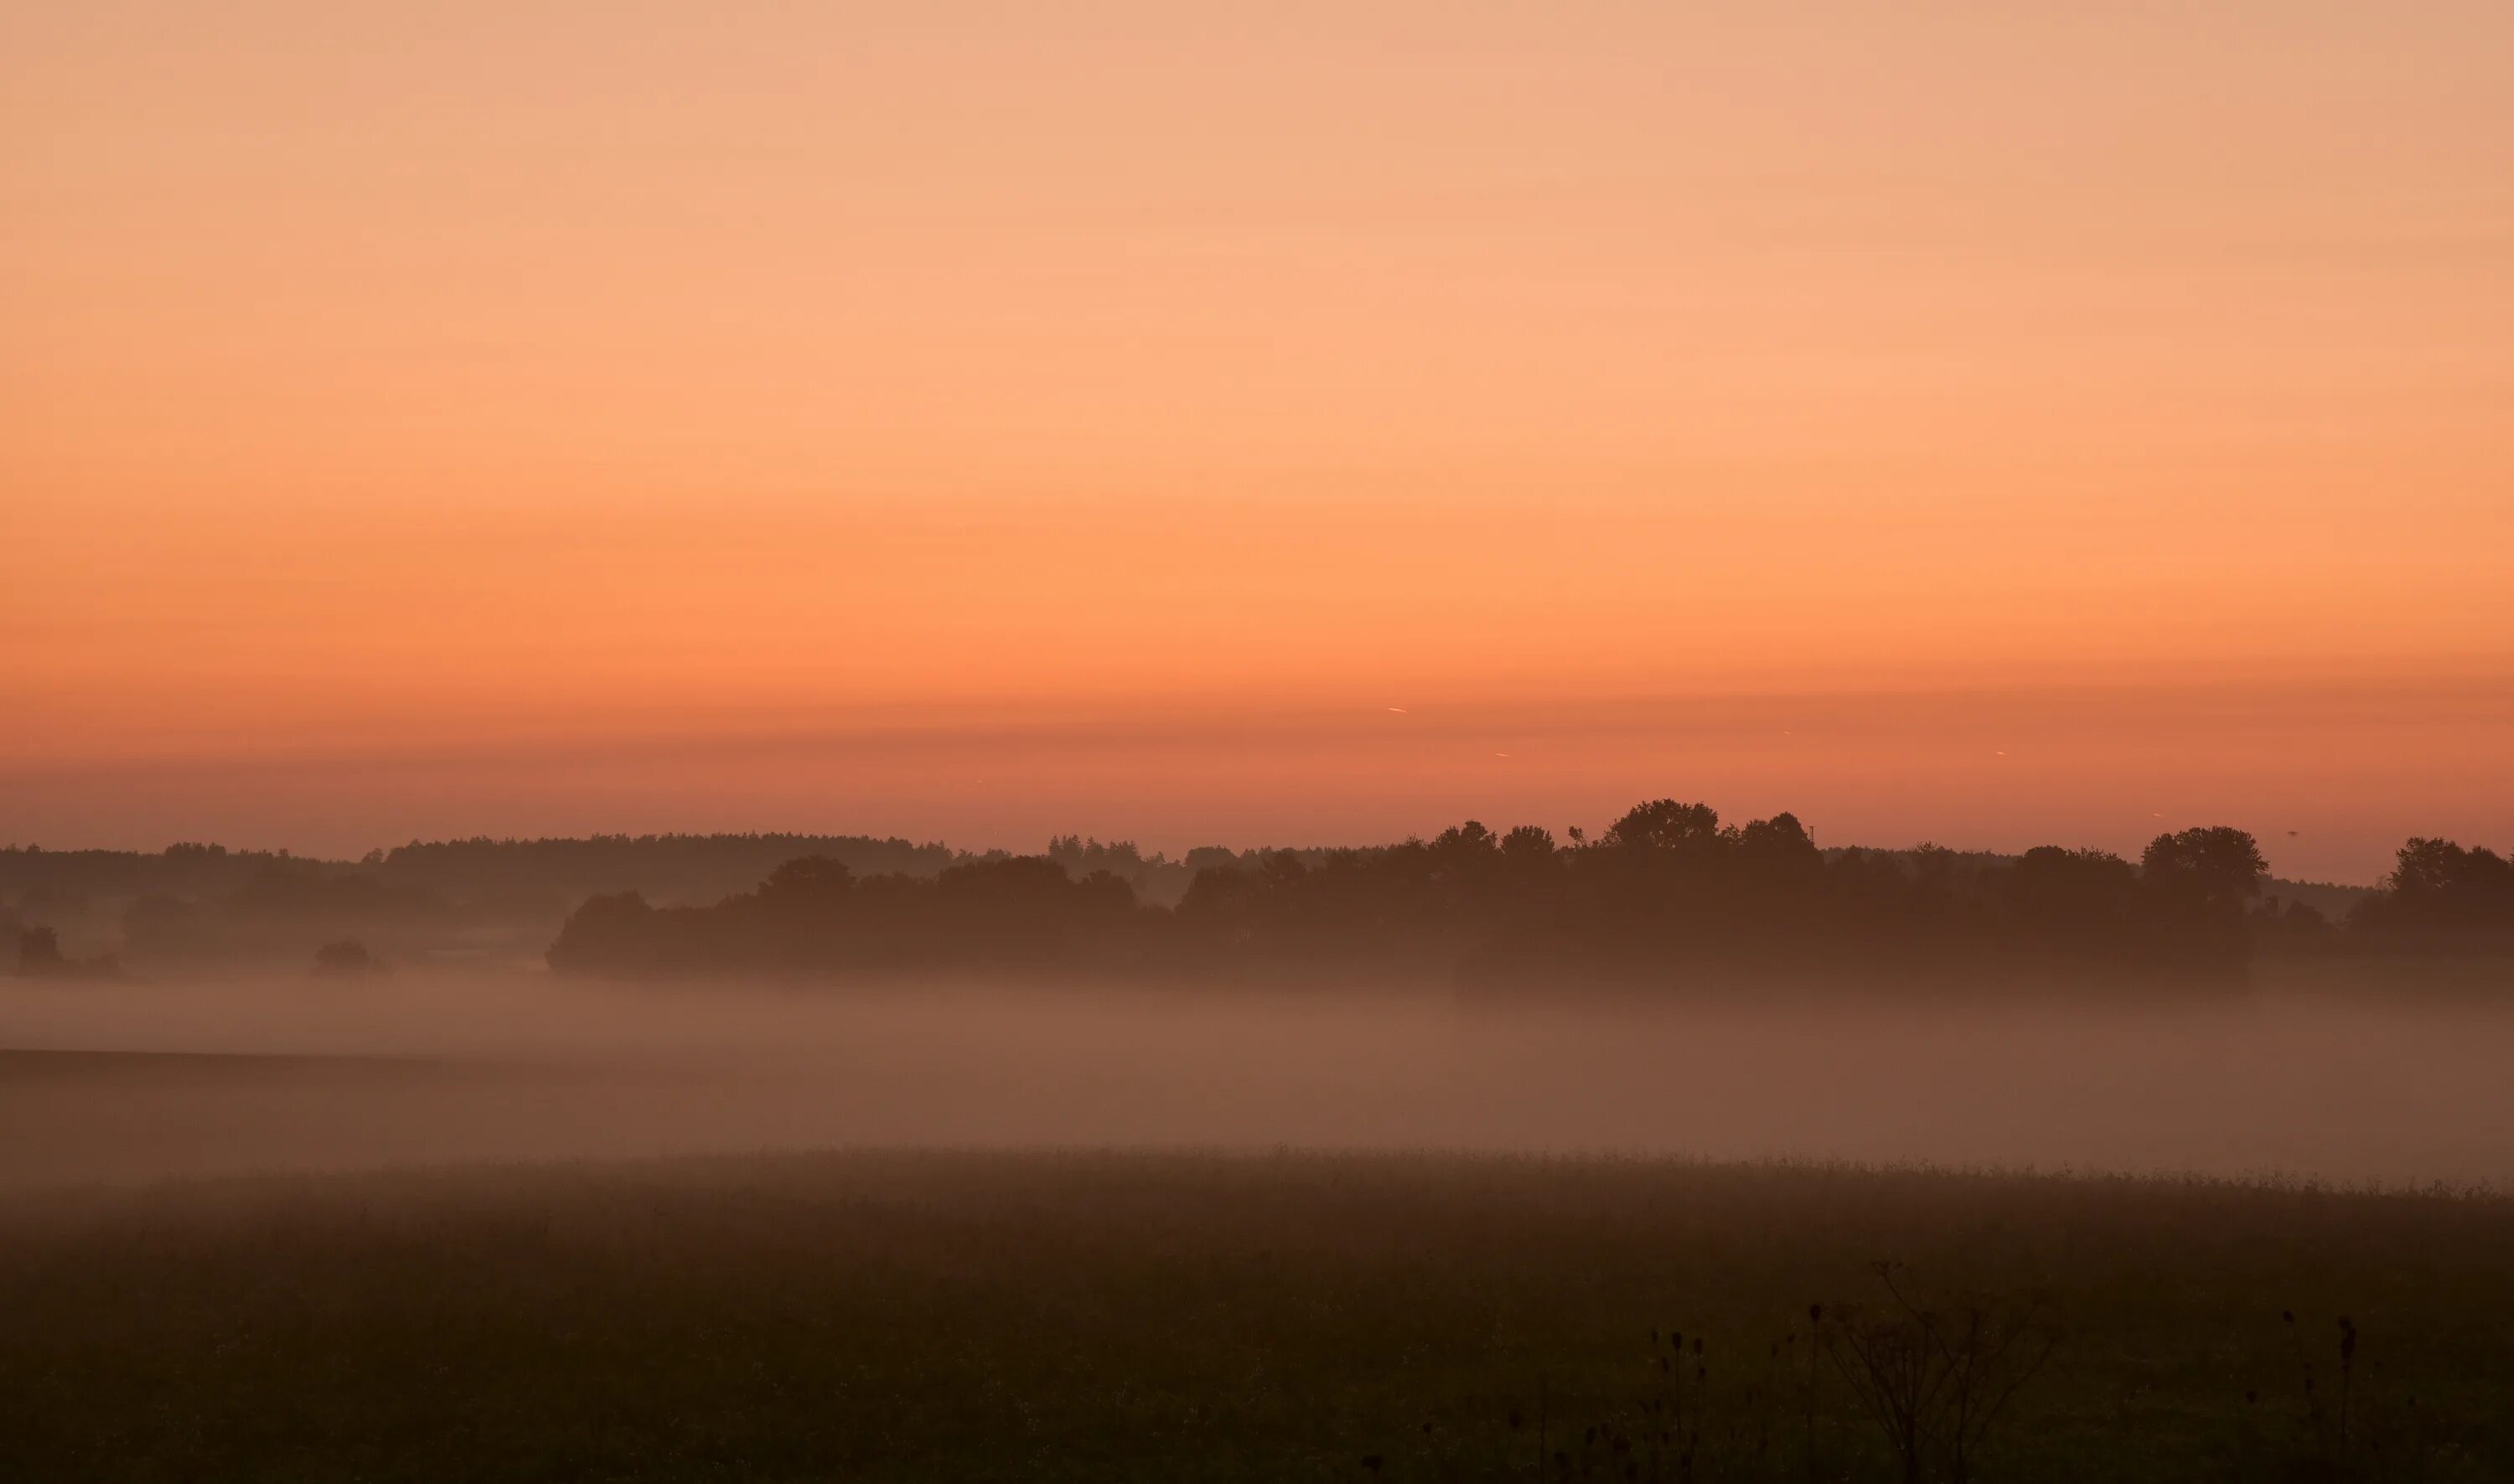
(132,1081)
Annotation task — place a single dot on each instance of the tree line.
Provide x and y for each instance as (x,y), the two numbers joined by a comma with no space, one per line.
(1666,896)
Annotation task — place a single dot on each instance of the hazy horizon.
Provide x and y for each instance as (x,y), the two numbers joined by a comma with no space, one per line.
(2102,766)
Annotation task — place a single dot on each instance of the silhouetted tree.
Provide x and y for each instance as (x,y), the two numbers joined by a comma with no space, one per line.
(613,933)
(40,957)
(39,953)
(1528,850)
(2216,865)
(2195,889)
(2073,901)
(1780,854)
(1465,849)
(1663,826)
(2444,893)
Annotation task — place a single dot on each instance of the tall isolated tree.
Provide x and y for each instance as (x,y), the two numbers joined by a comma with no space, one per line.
(1663,825)
(2215,865)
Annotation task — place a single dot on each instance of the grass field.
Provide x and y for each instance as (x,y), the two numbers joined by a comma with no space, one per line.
(940,1315)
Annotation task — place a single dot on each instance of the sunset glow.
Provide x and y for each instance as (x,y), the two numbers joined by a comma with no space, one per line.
(1319,424)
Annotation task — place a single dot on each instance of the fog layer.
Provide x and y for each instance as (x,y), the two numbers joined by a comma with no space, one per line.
(119,1083)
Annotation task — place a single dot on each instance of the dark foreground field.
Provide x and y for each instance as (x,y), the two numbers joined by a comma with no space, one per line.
(1179,1317)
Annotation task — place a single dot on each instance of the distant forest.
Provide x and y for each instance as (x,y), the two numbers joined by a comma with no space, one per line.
(195,907)
(1668,894)
(1667,897)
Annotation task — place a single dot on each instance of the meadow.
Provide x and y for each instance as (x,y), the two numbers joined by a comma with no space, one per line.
(1050,1314)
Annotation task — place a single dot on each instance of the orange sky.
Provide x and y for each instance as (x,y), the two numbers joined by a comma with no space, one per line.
(981,419)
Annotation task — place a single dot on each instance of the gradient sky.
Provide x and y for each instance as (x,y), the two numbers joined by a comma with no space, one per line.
(1971,421)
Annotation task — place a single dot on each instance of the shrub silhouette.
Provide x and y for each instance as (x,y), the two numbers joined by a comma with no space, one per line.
(39,954)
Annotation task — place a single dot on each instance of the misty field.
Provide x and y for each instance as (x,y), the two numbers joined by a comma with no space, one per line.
(508,1229)
(964,1315)
(137,1082)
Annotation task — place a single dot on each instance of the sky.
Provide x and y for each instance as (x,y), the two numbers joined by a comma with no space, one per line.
(1286,423)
